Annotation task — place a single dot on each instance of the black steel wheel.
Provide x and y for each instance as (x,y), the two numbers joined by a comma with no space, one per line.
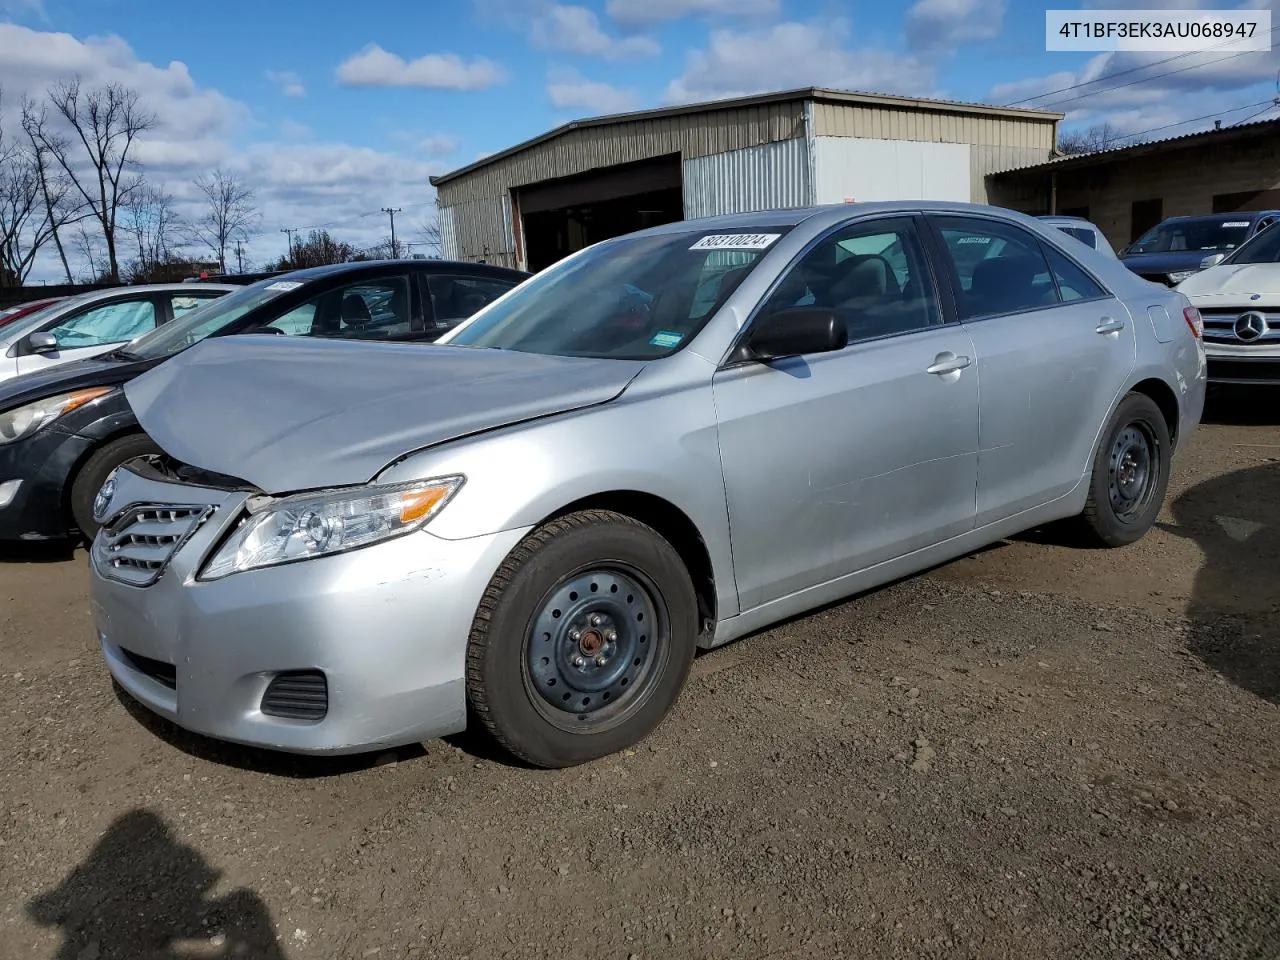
(583,639)
(1130,474)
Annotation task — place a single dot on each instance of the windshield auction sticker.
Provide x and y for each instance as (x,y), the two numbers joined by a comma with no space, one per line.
(736,241)
(1231,31)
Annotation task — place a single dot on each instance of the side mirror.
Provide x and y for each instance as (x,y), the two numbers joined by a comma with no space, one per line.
(42,342)
(796,331)
(1212,261)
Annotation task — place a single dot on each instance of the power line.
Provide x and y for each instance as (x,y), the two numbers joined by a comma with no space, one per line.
(1209,116)
(1144,66)
(1157,76)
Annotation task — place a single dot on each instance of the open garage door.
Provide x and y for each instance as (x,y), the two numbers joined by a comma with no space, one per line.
(561,216)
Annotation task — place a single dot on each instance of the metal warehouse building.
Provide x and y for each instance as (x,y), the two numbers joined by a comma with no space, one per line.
(586,181)
(1128,190)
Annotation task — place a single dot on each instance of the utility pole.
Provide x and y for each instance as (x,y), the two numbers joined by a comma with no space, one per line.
(290,231)
(395,247)
(239,258)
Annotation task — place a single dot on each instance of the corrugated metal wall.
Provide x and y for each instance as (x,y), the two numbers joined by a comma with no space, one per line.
(770,176)
(479,230)
(694,135)
(448,240)
(854,168)
(999,143)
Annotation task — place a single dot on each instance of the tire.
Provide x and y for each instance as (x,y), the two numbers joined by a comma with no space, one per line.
(582,641)
(1130,474)
(94,474)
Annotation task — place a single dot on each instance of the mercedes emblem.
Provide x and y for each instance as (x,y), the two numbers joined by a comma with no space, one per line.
(1250,326)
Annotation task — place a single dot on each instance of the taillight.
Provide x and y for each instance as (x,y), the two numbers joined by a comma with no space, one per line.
(1194,321)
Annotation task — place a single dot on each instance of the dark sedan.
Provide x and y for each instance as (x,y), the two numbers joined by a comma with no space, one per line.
(62,431)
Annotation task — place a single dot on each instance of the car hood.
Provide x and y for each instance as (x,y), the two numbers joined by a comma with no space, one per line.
(1165,262)
(1242,279)
(289,414)
(65,377)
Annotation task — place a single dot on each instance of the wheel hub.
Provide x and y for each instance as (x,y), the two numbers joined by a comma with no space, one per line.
(1132,471)
(590,643)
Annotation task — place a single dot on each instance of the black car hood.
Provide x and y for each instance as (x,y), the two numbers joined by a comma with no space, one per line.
(1167,262)
(297,413)
(98,371)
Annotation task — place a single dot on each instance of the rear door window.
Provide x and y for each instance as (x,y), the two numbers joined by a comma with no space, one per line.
(454,298)
(998,267)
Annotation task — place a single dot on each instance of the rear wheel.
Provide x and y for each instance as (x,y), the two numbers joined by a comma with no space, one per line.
(1130,474)
(583,639)
(95,472)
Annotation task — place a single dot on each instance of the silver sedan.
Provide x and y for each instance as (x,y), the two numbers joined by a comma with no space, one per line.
(663,442)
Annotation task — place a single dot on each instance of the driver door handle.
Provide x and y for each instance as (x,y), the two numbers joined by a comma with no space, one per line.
(947,363)
(1108,325)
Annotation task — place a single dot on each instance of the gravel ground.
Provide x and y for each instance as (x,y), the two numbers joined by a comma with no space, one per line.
(1037,751)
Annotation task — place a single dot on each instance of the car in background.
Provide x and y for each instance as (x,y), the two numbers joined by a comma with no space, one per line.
(63,430)
(1080,228)
(1239,299)
(91,323)
(666,440)
(1178,247)
(19,310)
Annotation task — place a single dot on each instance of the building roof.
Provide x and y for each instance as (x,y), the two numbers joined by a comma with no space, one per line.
(822,94)
(1240,131)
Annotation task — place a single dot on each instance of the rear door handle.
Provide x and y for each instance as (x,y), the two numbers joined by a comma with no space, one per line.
(1107,325)
(947,362)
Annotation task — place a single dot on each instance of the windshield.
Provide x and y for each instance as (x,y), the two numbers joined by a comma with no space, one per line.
(634,298)
(1175,236)
(191,328)
(1263,248)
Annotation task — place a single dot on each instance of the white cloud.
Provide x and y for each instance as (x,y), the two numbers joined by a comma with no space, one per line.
(1136,93)
(288,82)
(292,130)
(375,67)
(299,183)
(569,90)
(439,145)
(573,29)
(786,55)
(936,25)
(640,12)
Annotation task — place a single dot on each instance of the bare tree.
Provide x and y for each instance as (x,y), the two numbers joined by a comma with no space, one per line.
(155,227)
(317,250)
(429,237)
(230,213)
(1101,136)
(55,190)
(106,122)
(23,230)
(92,252)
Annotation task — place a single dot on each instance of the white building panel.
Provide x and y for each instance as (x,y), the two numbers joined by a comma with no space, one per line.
(856,169)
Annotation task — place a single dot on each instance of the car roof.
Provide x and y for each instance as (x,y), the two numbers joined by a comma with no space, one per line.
(1245,215)
(1055,217)
(830,213)
(357,266)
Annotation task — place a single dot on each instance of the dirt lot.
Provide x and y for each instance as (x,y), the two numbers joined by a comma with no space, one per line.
(1035,752)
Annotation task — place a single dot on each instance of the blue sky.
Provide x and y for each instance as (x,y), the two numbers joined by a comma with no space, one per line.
(332,110)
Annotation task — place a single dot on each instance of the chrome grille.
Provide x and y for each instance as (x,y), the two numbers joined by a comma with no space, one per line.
(137,545)
(1220,323)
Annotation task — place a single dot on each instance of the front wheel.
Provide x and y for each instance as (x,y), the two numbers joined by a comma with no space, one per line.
(1130,474)
(94,473)
(583,639)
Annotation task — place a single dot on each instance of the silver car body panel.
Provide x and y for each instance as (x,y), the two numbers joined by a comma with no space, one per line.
(807,480)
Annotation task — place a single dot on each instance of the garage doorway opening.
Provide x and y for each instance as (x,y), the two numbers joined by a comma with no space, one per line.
(560,217)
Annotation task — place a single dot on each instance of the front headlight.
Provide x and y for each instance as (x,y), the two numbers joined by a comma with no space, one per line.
(298,528)
(24,421)
(1179,275)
